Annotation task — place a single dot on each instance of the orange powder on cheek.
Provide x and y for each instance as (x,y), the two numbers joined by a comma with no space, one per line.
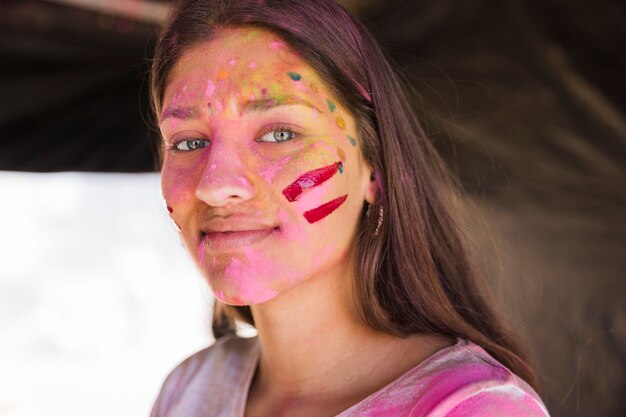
(341,153)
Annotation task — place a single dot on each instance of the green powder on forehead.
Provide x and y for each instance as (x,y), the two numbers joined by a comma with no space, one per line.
(294,76)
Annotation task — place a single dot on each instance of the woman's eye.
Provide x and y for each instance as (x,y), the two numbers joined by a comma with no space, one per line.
(191,144)
(278,135)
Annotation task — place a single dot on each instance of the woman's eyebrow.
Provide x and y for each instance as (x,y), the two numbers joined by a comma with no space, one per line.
(178,112)
(272,102)
(264,104)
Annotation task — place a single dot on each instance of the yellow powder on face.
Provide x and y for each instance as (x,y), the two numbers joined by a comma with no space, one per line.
(341,153)
(341,123)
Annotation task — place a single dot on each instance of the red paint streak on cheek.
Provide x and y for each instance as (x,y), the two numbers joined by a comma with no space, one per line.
(310,179)
(324,210)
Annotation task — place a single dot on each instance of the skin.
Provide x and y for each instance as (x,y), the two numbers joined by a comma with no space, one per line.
(298,279)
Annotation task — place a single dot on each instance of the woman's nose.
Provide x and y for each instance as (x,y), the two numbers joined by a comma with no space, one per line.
(225,179)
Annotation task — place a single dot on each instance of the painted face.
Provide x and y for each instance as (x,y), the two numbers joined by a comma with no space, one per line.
(262,169)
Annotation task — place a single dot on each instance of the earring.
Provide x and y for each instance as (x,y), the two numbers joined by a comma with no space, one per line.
(380,221)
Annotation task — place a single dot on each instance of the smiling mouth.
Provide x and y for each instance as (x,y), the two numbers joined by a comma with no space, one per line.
(234,240)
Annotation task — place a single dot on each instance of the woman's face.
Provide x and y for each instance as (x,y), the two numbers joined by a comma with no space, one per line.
(262,170)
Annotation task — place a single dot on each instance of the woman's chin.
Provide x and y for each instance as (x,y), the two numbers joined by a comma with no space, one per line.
(245,298)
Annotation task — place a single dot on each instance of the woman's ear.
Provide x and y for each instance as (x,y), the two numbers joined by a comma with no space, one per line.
(371,186)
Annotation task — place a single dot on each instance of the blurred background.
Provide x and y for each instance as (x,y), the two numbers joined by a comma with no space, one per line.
(98,300)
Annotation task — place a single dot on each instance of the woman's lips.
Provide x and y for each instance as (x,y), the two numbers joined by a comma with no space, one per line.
(228,241)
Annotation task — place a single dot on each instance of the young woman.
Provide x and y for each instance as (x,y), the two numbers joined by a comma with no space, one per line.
(314,205)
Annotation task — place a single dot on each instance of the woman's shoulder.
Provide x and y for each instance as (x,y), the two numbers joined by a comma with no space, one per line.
(462,380)
(465,380)
(224,364)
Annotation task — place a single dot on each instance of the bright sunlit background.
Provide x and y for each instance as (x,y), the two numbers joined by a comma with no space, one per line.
(98,298)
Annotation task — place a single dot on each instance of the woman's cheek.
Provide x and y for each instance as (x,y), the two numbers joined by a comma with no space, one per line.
(178,188)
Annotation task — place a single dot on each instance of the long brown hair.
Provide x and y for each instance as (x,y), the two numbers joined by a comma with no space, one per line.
(416,275)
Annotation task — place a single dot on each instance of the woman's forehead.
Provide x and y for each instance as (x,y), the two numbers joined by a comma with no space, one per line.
(245,61)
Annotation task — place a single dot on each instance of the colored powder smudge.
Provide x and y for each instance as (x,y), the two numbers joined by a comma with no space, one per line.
(294,76)
(201,253)
(252,65)
(341,153)
(276,44)
(314,88)
(270,171)
(177,112)
(210,89)
(324,210)
(171,210)
(232,62)
(340,168)
(173,40)
(331,105)
(295,234)
(341,124)
(277,92)
(252,276)
(352,140)
(387,407)
(222,74)
(364,93)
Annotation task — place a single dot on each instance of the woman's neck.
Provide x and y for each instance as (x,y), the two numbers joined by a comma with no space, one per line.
(314,346)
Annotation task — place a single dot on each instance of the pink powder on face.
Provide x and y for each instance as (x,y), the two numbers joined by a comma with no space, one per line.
(201,254)
(268,173)
(244,182)
(233,62)
(276,44)
(252,65)
(251,276)
(219,294)
(301,86)
(289,230)
(324,210)
(210,89)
